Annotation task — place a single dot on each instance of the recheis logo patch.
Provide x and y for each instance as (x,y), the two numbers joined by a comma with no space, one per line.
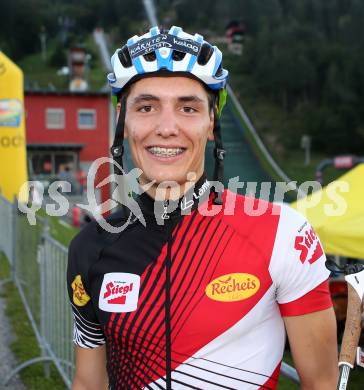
(233,287)
(80,297)
(119,292)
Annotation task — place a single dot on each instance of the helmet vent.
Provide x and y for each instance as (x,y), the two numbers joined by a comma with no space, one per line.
(150,56)
(205,54)
(219,70)
(178,55)
(124,57)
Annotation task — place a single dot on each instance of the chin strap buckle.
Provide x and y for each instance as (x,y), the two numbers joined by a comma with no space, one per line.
(117,151)
(220,153)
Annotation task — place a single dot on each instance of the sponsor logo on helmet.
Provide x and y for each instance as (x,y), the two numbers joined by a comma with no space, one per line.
(187,44)
(80,297)
(233,287)
(308,244)
(147,45)
(10,112)
(119,292)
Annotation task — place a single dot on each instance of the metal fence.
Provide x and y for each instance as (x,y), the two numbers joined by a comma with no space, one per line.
(6,228)
(38,268)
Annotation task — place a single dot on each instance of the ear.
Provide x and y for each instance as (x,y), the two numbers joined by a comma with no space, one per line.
(118,108)
(210,136)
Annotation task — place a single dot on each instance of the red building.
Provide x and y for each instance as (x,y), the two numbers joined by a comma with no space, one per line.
(66,132)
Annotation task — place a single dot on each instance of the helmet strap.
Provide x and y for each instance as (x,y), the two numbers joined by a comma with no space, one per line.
(117,148)
(219,154)
(222,97)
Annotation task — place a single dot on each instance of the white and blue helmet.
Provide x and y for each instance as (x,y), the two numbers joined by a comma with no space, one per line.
(170,51)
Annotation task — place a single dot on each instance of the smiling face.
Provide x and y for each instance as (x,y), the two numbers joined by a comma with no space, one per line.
(168,123)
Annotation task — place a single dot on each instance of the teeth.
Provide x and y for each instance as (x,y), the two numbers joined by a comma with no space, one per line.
(165,152)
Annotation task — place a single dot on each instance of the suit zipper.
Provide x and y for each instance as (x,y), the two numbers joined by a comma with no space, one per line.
(168,307)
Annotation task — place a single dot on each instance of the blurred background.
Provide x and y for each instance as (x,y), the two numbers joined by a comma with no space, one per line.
(295,112)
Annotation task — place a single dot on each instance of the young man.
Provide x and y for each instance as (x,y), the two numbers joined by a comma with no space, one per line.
(200,296)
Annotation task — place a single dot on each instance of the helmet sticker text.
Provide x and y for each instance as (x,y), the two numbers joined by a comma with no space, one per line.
(147,45)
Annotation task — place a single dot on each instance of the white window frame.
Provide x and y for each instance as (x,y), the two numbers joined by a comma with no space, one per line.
(55,126)
(86,111)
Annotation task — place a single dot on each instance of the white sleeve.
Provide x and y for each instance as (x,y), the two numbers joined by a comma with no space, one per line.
(298,262)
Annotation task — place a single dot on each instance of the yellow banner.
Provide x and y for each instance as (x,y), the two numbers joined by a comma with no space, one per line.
(337,214)
(13,164)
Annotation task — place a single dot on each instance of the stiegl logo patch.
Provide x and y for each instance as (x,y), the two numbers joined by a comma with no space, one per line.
(308,244)
(119,292)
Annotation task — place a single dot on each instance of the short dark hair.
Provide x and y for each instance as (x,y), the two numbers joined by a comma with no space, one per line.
(212,97)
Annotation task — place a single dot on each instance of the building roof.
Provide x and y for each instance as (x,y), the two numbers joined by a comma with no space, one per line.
(47,92)
(55,146)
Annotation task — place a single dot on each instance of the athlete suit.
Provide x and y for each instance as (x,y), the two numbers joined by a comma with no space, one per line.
(196,303)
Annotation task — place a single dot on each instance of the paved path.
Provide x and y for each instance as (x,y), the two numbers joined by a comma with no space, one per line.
(7,360)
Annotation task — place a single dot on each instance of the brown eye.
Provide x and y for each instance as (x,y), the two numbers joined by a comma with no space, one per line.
(189,110)
(146,109)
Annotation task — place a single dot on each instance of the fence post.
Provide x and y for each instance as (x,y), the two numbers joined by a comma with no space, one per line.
(43,299)
(14,234)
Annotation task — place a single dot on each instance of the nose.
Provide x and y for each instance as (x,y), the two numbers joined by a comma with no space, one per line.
(167,125)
